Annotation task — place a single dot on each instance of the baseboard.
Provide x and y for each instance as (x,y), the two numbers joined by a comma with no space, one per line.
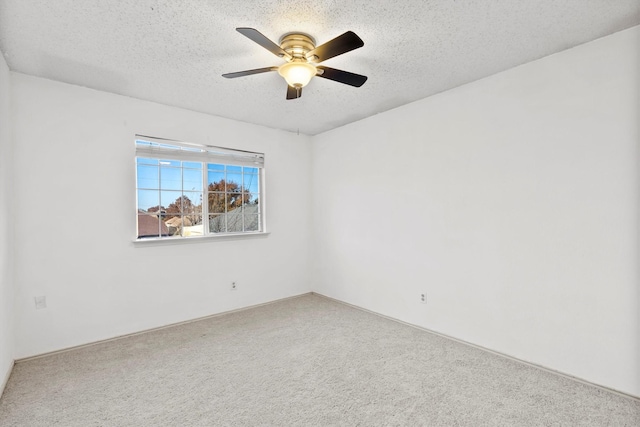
(5,380)
(159,328)
(497,353)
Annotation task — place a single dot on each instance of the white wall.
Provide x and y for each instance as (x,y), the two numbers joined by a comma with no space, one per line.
(6,231)
(512,201)
(75,220)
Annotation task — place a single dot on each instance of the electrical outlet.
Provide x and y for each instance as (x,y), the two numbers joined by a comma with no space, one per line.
(423,298)
(41,302)
(234,286)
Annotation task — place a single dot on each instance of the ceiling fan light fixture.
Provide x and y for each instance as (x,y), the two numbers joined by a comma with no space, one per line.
(297,74)
(301,53)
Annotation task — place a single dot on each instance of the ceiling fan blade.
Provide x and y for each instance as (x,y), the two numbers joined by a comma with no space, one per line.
(249,72)
(263,41)
(293,92)
(341,44)
(340,76)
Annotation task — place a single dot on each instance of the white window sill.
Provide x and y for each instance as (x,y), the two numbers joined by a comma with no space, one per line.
(200,239)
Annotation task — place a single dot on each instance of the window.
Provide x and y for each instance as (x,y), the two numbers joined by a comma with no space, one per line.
(189,190)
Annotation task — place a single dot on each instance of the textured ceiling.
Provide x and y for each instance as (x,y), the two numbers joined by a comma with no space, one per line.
(174,52)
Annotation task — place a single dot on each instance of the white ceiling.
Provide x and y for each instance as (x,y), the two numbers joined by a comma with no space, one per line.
(174,52)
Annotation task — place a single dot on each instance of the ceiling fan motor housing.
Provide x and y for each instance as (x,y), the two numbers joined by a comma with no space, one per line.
(298,45)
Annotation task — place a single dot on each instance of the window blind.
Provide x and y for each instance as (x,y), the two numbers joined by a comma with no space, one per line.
(168,149)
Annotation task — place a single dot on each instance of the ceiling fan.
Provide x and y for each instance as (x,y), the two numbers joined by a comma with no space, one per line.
(301,54)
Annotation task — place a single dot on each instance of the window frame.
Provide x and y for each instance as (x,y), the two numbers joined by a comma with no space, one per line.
(160,149)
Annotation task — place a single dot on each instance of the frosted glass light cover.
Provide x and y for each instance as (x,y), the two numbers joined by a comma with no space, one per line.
(297,74)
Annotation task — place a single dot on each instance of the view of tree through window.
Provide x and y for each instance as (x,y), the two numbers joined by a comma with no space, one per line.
(186,198)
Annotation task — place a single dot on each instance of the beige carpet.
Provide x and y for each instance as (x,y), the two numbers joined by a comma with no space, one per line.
(306,361)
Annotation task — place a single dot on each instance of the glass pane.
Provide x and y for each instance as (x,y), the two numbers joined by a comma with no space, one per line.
(251,183)
(148,199)
(251,223)
(251,208)
(170,178)
(192,165)
(191,201)
(217,224)
(237,200)
(171,201)
(250,170)
(172,163)
(234,182)
(147,176)
(217,202)
(192,179)
(234,221)
(215,167)
(192,226)
(215,181)
(144,161)
(174,225)
(234,169)
(150,226)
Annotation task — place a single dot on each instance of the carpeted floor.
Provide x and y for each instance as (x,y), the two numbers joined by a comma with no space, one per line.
(306,361)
